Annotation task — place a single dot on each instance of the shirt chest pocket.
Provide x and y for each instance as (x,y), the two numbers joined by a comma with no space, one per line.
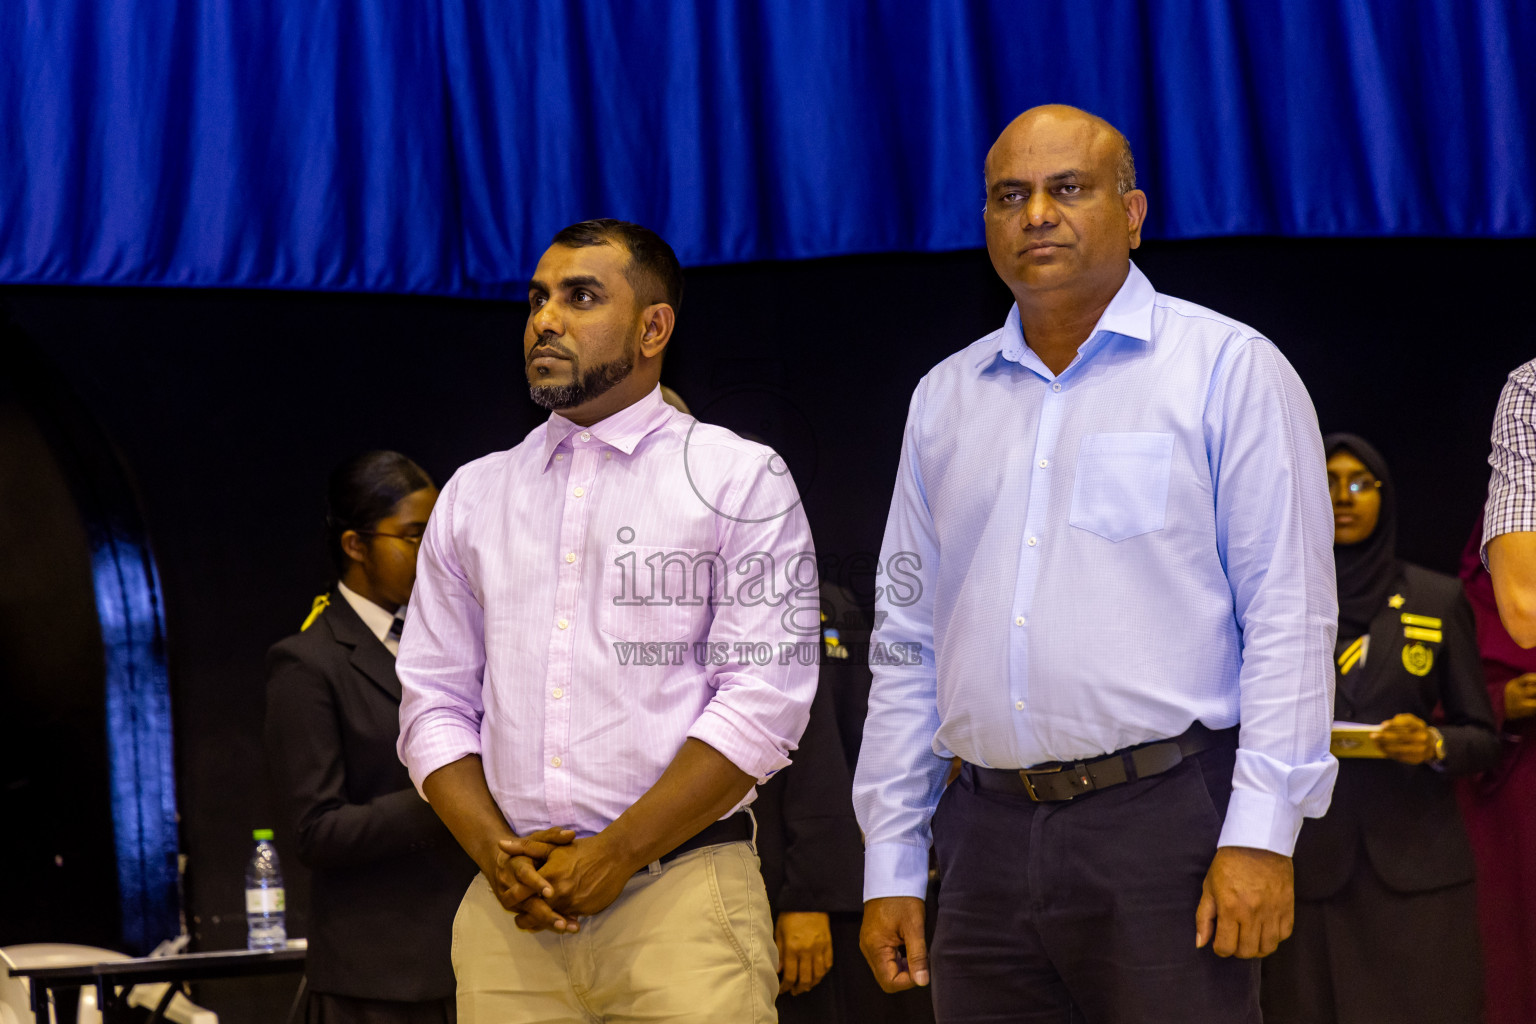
(1121,487)
(653,594)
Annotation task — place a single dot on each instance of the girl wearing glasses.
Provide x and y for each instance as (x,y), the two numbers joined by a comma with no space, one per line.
(388,876)
(1386,913)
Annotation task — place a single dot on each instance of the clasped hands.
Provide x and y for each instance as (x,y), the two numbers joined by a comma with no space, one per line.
(550,879)
(1406,738)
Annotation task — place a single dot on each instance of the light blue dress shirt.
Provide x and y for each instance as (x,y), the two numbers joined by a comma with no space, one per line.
(1099,558)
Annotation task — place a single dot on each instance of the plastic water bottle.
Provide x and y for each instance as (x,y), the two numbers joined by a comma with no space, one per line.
(265,901)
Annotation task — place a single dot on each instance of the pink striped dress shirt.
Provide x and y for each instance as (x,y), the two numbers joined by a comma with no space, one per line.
(590,598)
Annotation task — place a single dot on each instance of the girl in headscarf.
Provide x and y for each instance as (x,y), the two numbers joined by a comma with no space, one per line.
(1500,808)
(1386,912)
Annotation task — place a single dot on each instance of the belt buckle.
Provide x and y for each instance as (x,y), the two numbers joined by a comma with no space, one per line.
(1079,769)
(1029,785)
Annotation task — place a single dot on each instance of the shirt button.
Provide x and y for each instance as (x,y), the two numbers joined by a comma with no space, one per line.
(1031,542)
(1018,704)
(557,693)
(579,491)
(559,457)
(1044,463)
(607,456)
(586,435)
(570,556)
(554,762)
(1056,386)
(563,623)
(1017,622)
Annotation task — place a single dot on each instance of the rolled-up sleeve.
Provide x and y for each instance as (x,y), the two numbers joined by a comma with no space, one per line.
(1275,535)
(899,778)
(441,665)
(1512,484)
(762,694)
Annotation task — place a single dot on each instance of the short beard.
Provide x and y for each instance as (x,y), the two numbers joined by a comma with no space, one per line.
(587,385)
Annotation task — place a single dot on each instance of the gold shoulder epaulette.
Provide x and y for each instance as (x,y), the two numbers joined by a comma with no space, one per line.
(321,604)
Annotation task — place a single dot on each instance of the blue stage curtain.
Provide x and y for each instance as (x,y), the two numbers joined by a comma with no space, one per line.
(138,732)
(434,146)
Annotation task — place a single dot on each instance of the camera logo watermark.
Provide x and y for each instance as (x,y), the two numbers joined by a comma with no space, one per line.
(773,416)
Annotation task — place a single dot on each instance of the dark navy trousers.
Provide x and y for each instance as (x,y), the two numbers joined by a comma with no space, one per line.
(1083,912)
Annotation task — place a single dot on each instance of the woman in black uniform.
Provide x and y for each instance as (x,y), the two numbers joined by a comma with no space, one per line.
(388,876)
(1386,913)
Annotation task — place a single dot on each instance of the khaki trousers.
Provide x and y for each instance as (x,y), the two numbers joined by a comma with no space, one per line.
(688,942)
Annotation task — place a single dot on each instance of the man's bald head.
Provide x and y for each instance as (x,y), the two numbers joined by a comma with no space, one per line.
(1062,210)
(1060,115)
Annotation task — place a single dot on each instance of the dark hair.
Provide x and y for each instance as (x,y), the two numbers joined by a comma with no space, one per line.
(653,270)
(365,489)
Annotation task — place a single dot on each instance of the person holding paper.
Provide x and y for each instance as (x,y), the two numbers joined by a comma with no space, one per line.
(1386,912)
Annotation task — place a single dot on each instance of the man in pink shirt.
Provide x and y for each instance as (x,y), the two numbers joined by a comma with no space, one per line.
(603,659)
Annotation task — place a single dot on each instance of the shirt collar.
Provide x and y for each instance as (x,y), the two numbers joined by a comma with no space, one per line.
(1129,315)
(375,618)
(623,430)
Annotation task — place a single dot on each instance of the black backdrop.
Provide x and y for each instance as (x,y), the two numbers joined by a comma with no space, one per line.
(231,407)
(56,854)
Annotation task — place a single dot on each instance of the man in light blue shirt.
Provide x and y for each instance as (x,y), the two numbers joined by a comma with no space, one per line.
(1119,509)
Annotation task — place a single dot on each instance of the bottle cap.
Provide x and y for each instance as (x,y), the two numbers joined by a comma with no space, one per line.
(261,833)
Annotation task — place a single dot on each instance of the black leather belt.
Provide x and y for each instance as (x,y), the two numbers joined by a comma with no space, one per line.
(736,828)
(1062,781)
